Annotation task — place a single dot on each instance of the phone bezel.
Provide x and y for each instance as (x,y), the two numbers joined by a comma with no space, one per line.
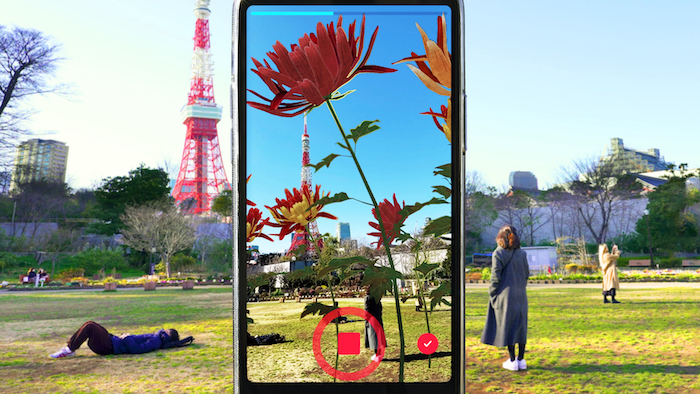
(238,78)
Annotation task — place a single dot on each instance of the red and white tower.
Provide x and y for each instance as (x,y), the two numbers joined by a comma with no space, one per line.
(202,176)
(303,238)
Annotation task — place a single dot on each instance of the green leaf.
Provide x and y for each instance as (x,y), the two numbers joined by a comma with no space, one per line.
(342,264)
(403,236)
(249,320)
(426,268)
(338,197)
(260,280)
(436,296)
(439,226)
(325,162)
(416,246)
(366,127)
(379,280)
(317,307)
(341,95)
(443,191)
(299,252)
(444,170)
(342,146)
(301,274)
(404,298)
(408,210)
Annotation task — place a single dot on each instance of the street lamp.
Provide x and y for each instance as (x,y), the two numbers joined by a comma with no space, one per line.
(651,253)
(153,264)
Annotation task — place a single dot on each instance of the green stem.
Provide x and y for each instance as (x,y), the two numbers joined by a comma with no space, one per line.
(425,307)
(330,286)
(384,238)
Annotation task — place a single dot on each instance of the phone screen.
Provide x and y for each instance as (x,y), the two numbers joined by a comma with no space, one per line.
(347,167)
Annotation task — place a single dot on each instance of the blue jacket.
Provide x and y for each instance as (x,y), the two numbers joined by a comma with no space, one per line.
(136,344)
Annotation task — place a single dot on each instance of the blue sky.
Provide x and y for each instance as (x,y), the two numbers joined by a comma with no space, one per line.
(548,82)
(398,158)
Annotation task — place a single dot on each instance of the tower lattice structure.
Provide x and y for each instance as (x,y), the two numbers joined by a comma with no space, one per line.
(304,237)
(202,176)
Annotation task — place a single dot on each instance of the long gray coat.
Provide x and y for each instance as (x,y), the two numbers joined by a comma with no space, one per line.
(506,318)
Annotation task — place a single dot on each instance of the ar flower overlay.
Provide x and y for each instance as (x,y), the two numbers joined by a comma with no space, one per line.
(312,71)
(296,211)
(446,114)
(254,225)
(391,218)
(436,75)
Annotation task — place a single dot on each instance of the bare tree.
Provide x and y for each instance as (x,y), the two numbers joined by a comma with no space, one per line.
(479,211)
(27,61)
(599,190)
(157,226)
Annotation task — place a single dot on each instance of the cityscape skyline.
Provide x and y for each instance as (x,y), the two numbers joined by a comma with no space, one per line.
(547,82)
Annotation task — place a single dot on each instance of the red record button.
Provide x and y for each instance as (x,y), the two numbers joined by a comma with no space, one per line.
(427,343)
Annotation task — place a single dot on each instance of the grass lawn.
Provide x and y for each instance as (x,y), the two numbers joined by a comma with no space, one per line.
(648,344)
(32,325)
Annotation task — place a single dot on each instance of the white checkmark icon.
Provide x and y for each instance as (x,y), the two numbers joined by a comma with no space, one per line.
(427,344)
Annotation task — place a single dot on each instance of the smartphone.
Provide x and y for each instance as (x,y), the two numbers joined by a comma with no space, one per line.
(348,153)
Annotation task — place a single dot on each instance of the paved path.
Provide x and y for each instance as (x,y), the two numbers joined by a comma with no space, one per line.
(26,292)
(623,285)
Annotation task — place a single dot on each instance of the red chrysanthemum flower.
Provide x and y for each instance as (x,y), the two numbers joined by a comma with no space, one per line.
(294,213)
(446,114)
(254,225)
(310,73)
(252,204)
(391,219)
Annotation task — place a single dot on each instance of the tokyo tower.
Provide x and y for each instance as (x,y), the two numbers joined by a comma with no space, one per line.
(303,238)
(202,176)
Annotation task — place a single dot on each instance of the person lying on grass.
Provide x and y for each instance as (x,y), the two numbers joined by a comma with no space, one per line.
(103,343)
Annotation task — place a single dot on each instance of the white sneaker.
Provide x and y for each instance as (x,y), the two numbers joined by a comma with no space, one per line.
(376,358)
(521,364)
(64,352)
(511,365)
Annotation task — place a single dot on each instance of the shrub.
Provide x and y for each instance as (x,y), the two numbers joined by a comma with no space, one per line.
(68,274)
(486,273)
(94,260)
(182,262)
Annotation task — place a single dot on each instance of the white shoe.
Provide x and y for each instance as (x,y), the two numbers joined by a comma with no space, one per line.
(511,365)
(521,364)
(64,352)
(376,358)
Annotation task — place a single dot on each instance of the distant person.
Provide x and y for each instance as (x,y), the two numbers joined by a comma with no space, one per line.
(608,263)
(31,276)
(42,274)
(103,343)
(372,339)
(506,318)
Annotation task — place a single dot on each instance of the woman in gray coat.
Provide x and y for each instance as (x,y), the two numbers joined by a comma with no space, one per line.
(506,319)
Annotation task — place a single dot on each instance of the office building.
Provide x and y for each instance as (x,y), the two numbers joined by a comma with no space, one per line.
(342,231)
(39,159)
(628,160)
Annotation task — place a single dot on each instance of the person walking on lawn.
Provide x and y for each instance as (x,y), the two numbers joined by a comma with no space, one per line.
(608,263)
(506,317)
(100,341)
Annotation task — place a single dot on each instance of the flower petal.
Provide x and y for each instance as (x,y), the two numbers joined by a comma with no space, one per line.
(428,82)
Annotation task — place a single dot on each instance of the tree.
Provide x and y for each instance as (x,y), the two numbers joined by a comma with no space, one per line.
(143,185)
(38,202)
(479,211)
(670,223)
(27,62)
(223,203)
(159,226)
(598,189)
